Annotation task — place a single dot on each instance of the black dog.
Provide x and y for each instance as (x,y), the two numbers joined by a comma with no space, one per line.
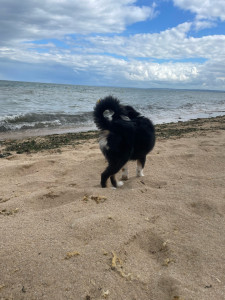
(126,136)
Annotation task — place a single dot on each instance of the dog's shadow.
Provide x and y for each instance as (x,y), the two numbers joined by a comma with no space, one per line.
(134,182)
(127,184)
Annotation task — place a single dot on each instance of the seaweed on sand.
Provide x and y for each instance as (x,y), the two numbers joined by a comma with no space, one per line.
(56,141)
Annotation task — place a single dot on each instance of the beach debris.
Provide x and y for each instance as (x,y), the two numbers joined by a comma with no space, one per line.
(85,198)
(4,200)
(50,142)
(105,294)
(115,259)
(2,286)
(117,265)
(217,279)
(167,261)
(71,254)
(208,286)
(164,245)
(97,199)
(5,154)
(11,212)
(51,195)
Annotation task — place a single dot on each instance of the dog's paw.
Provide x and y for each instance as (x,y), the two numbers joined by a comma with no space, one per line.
(124,177)
(124,173)
(140,173)
(119,183)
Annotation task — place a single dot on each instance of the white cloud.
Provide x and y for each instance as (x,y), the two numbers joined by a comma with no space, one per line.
(32,20)
(199,24)
(124,66)
(169,57)
(204,9)
(170,44)
(110,67)
(166,72)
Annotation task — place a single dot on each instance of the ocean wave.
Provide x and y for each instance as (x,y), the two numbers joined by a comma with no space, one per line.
(43,120)
(187,106)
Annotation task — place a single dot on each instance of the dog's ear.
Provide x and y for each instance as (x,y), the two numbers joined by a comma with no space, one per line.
(131,112)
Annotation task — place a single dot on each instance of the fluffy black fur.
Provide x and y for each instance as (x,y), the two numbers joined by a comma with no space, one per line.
(126,136)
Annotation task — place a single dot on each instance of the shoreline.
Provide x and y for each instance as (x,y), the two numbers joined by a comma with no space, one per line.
(50,141)
(36,132)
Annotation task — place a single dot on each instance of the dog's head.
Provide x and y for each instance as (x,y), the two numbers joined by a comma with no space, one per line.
(131,112)
(119,115)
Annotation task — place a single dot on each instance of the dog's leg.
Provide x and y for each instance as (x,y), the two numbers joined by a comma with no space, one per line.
(111,171)
(125,172)
(114,182)
(140,166)
(104,177)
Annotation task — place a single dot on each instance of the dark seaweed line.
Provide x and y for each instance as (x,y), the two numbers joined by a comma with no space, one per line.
(47,142)
(56,141)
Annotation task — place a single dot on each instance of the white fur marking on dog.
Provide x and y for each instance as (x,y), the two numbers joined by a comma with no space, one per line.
(125,118)
(119,183)
(103,144)
(139,171)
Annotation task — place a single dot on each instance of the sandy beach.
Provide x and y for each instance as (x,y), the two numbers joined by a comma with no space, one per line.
(159,237)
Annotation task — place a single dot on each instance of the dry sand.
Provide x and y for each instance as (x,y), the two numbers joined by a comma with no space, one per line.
(160,237)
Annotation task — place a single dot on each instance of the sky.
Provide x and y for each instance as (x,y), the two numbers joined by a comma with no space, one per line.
(126,43)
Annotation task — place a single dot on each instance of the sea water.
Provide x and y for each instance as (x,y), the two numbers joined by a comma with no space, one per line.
(68,108)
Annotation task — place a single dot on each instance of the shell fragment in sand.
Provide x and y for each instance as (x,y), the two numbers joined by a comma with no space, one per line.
(71,254)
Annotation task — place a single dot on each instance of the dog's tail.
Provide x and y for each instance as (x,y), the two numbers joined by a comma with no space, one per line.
(108,103)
